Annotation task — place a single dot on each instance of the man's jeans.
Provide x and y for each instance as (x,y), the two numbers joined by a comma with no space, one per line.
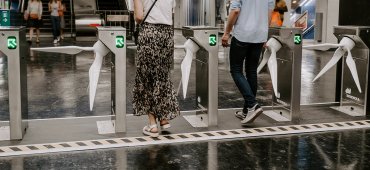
(55,20)
(250,54)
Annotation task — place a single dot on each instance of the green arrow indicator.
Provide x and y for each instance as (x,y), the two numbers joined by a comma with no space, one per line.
(212,40)
(120,41)
(12,43)
(297,39)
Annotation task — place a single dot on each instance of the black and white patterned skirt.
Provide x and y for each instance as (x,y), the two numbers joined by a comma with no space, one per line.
(153,90)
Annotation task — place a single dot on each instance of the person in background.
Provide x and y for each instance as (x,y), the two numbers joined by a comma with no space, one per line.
(277,16)
(54,7)
(249,20)
(33,15)
(62,21)
(153,92)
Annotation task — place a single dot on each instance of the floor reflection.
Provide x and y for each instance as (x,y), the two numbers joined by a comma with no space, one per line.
(342,150)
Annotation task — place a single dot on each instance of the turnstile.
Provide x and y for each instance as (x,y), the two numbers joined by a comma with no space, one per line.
(206,71)
(353,101)
(14,45)
(285,70)
(109,39)
(115,39)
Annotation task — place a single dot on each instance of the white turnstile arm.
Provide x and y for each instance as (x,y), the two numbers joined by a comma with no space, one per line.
(191,48)
(100,50)
(345,45)
(269,58)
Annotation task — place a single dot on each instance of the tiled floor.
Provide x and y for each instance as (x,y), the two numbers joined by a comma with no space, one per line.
(57,88)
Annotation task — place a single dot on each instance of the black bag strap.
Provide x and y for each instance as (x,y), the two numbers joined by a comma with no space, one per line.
(147,14)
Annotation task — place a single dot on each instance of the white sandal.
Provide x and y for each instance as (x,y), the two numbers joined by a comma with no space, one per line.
(147,130)
(165,126)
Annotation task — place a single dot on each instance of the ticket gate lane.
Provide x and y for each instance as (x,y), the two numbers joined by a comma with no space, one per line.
(14,46)
(110,39)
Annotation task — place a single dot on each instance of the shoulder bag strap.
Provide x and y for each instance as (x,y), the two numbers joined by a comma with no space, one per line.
(150,9)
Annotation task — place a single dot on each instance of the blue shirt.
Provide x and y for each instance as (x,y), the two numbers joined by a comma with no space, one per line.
(253,21)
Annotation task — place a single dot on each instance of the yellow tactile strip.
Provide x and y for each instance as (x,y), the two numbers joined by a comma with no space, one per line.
(178,138)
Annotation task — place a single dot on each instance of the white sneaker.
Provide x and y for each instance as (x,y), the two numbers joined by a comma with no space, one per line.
(253,113)
(55,41)
(58,39)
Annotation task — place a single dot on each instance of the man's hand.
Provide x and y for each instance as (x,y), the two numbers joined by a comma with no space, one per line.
(225,39)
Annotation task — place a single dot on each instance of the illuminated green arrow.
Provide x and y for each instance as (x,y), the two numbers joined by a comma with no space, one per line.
(212,40)
(12,43)
(297,39)
(120,42)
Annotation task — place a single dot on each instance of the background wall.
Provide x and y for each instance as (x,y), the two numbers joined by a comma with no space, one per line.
(354,12)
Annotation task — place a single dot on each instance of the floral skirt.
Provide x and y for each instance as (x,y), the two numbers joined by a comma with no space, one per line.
(153,90)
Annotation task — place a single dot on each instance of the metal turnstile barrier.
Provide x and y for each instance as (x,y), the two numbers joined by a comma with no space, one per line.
(110,39)
(353,100)
(115,39)
(284,59)
(206,71)
(14,45)
(352,59)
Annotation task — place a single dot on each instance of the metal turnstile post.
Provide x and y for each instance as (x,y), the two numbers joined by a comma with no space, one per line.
(115,39)
(353,101)
(206,71)
(14,45)
(286,104)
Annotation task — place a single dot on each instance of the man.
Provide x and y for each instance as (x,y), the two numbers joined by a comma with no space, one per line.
(249,20)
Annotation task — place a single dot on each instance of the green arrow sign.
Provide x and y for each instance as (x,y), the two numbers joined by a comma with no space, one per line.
(297,39)
(120,41)
(212,40)
(12,43)
(5,18)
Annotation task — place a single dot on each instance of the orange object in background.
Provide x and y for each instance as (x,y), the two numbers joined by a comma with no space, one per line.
(276,19)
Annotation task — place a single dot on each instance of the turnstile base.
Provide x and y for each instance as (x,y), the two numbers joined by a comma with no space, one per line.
(276,116)
(348,110)
(195,121)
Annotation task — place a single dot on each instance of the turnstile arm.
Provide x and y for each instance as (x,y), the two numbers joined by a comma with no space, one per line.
(191,48)
(345,45)
(269,57)
(100,50)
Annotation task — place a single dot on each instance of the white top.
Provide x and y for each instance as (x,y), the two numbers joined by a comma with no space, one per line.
(54,8)
(161,12)
(35,7)
(252,24)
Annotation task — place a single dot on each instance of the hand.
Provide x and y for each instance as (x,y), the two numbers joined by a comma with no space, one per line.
(225,40)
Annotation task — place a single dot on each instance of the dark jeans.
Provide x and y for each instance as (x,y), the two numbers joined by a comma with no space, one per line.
(55,21)
(247,54)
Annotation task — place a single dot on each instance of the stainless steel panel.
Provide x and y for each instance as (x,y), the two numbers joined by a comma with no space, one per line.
(108,36)
(207,59)
(289,60)
(17,78)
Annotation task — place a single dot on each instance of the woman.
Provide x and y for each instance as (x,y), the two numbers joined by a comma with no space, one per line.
(54,7)
(62,21)
(153,93)
(34,14)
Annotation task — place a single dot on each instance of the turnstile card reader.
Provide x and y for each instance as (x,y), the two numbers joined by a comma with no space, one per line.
(285,61)
(354,93)
(14,45)
(206,71)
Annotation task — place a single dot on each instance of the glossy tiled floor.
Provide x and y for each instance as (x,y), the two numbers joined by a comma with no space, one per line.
(57,88)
